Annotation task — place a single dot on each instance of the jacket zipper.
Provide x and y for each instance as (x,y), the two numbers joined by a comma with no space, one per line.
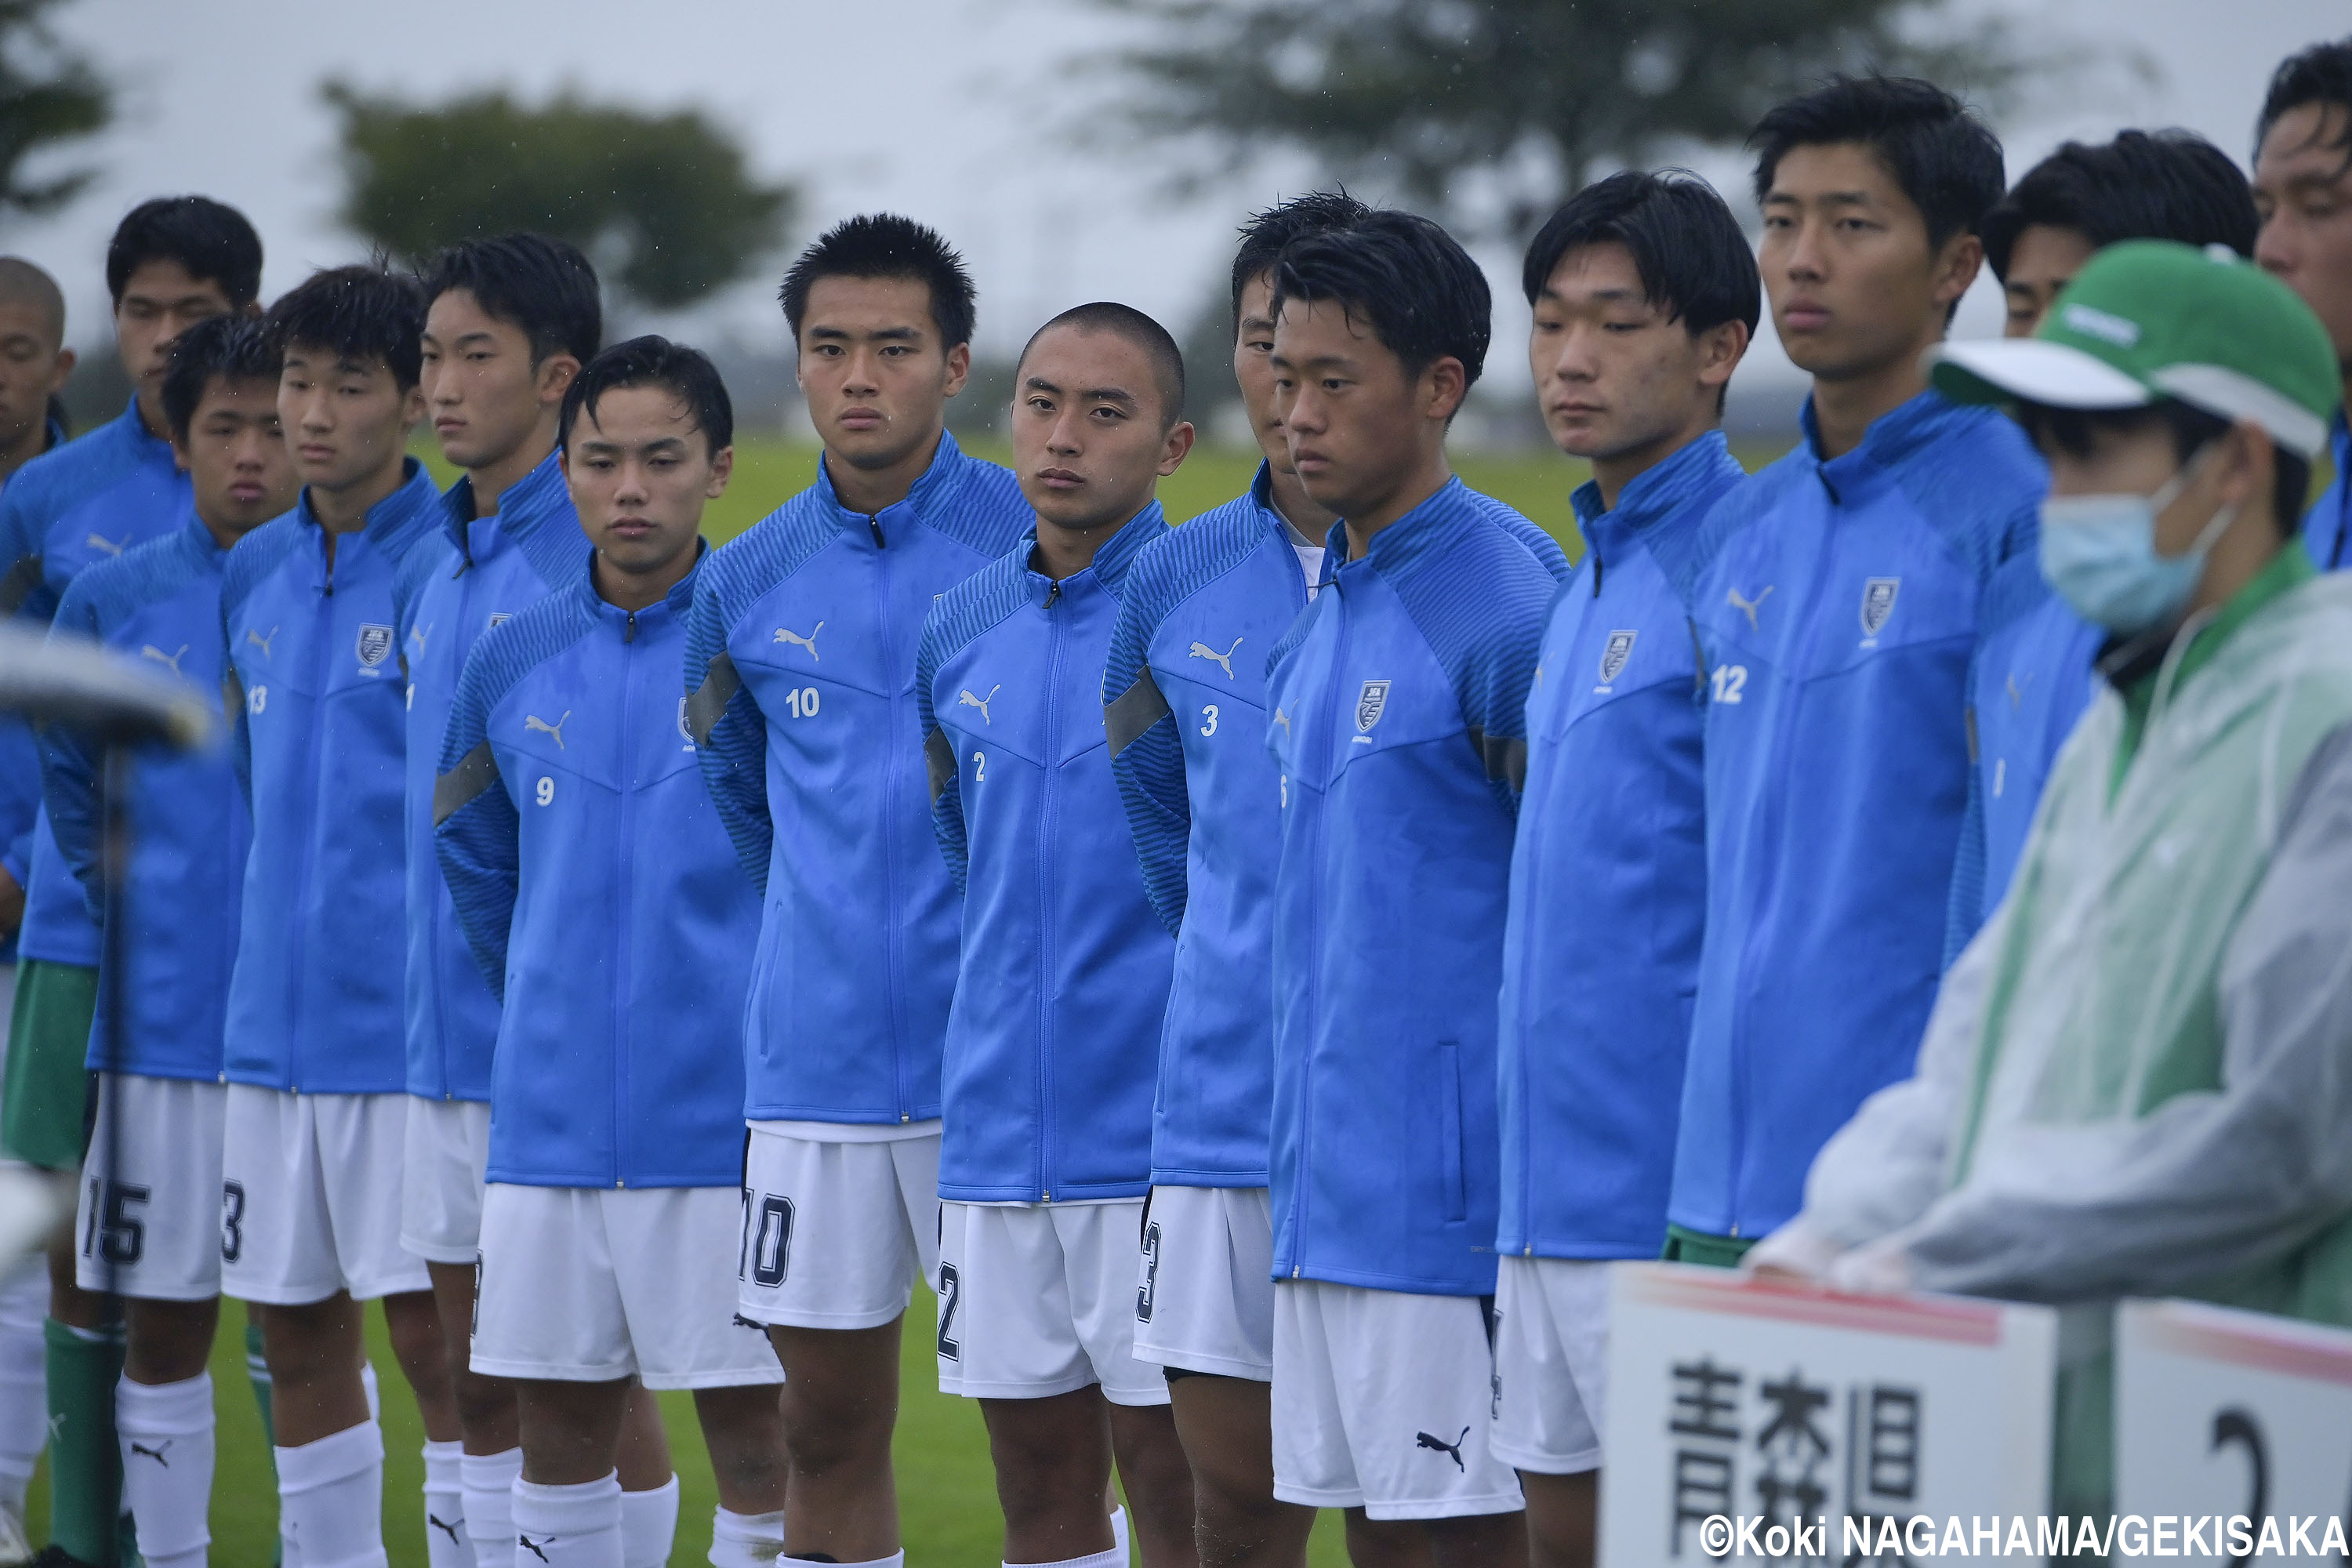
(320,658)
(1315,969)
(1046,818)
(893,957)
(438,932)
(625,778)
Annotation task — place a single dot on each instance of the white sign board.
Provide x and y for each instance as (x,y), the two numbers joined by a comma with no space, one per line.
(2223,1415)
(1764,1403)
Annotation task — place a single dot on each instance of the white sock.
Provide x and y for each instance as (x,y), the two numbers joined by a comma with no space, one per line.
(447,1542)
(166,1433)
(490,1480)
(746,1540)
(374,1394)
(331,1499)
(1119,1533)
(649,1525)
(569,1527)
(1114,1558)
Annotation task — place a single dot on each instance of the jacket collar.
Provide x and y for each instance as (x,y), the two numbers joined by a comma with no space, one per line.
(524,507)
(1111,560)
(1694,474)
(1403,544)
(676,602)
(1892,438)
(935,483)
(400,517)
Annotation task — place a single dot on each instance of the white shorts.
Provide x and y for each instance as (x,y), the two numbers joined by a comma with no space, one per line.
(1037,1299)
(156,1233)
(837,1230)
(1381,1401)
(594,1284)
(447,1148)
(310,1197)
(1205,1299)
(1551,1345)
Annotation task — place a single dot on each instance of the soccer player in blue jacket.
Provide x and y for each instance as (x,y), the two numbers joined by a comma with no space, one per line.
(2031,679)
(150,1225)
(1645,296)
(1834,596)
(310,1218)
(1063,978)
(1184,707)
(2303,189)
(507,324)
(605,906)
(1397,703)
(171,262)
(801,660)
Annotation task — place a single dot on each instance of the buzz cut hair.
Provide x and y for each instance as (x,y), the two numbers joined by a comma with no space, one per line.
(1126,321)
(685,374)
(1269,233)
(22,283)
(880,246)
(542,286)
(218,348)
(211,240)
(1406,278)
(359,313)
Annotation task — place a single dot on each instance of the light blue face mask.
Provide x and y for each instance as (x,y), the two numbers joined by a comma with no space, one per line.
(2099,553)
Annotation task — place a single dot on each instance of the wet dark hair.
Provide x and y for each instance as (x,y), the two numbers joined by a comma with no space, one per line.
(1126,321)
(2071,430)
(1946,161)
(212,242)
(686,374)
(542,286)
(360,313)
(2166,185)
(2321,74)
(1407,278)
(884,245)
(1266,234)
(1691,254)
(218,348)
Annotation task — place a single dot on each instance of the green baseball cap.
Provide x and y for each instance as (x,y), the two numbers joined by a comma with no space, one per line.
(2149,319)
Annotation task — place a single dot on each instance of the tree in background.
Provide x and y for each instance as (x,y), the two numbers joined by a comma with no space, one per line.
(664,204)
(47,95)
(1493,110)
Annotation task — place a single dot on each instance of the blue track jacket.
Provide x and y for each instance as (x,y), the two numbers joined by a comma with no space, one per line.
(471,574)
(1184,705)
(86,501)
(601,897)
(1835,605)
(314,1004)
(801,655)
(1399,707)
(159,602)
(1062,981)
(1607,884)
(2327,526)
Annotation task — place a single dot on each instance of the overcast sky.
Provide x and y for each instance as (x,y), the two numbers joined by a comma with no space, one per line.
(959,111)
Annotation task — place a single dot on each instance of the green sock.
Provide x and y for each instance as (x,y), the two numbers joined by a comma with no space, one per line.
(85,1464)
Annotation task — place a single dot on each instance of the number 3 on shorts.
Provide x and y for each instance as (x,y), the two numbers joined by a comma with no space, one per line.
(231,1221)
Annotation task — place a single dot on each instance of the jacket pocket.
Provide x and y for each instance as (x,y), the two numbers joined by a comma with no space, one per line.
(1449,1128)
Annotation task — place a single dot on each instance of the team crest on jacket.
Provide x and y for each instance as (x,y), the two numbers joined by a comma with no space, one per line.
(1368,703)
(1613,657)
(1878,603)
(375,643)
